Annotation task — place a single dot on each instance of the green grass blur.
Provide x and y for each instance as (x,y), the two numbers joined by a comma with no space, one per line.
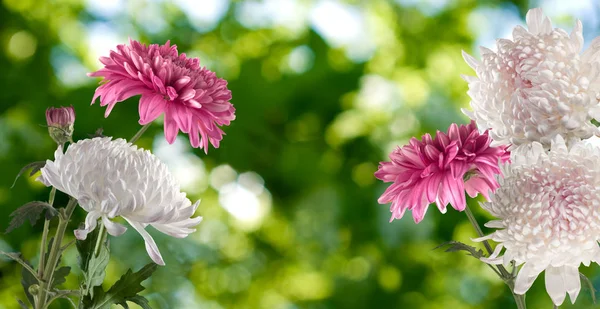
(289,200)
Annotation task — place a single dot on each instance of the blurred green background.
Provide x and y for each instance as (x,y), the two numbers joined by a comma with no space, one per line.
(324,90)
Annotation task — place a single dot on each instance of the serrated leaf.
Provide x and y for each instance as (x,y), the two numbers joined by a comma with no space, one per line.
(92,266)
(590,286)
(87,300)
(127,287)
(98,133)
(27,280)
(96,269)
(85,248)
(64,294)
(30,211)
(138,299)
(34,166)
(22,304)
(16,256)
(60,276)
(454,246)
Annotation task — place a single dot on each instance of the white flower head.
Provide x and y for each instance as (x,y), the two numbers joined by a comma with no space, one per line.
(536,86)
(548,210)
(112,178)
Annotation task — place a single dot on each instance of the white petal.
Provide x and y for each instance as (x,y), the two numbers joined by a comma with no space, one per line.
(113,228)
(535,19)
(179,230)
(91,220)
(151,247)
(495,224)
(555,285)
(472,62)
(480,239)
(527,274)
(577,36)
(497,251)
(572,282)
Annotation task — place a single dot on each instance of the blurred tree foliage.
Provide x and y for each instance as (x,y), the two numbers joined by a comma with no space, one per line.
(289,200)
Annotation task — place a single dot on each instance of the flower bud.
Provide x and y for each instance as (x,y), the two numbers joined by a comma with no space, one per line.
(33,289)
(60,123)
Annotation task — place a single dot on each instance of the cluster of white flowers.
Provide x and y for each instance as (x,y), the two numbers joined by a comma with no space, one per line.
(539,94)
(111,178)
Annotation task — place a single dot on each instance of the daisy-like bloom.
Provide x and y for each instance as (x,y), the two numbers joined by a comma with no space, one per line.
(536,86)
(440,170)
(60,123)
(115,179)
(548,210)
(192,98)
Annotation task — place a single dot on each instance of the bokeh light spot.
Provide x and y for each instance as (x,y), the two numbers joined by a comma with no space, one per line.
(389,278)
(21,45)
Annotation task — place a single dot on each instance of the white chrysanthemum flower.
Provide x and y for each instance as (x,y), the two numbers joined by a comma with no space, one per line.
(548,210)
(537,85)
(115,179)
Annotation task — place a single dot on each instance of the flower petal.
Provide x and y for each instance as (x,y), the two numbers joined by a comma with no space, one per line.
(113,228)
(91,221)
(151,247)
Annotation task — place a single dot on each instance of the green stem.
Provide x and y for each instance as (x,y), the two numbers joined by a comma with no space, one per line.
(139,133)
(507,277)
(99,239)
(46,281)
(473,221)
(45,236)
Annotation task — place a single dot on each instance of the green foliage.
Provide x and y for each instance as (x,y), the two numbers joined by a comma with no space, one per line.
(34,166)
(16,256)
(30,211)
(22,304)
(125,289)
(455,246)
(93,266)
(314,137)
(60,276)
(588,285)
(28,279)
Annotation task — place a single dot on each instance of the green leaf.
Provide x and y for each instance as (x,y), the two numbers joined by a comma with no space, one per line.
(22,304)
(60,276)
(96,269)
(30,211)
(87,300)
(92,266)
(27,280)
(64,294)
(125,289)
(16,256)
(98,133)
(34,166)
(454,246)
(140,301)
(589,285)
(85,248)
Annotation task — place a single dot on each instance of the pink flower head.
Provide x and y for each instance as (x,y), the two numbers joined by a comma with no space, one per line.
(60,117)
(440,170)
(60,123)
(193,99)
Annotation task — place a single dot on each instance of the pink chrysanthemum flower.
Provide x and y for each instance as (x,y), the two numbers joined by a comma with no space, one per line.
(440,170)
(193,99)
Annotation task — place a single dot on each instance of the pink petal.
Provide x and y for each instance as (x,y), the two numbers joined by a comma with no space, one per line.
(151,106)
(171,127)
